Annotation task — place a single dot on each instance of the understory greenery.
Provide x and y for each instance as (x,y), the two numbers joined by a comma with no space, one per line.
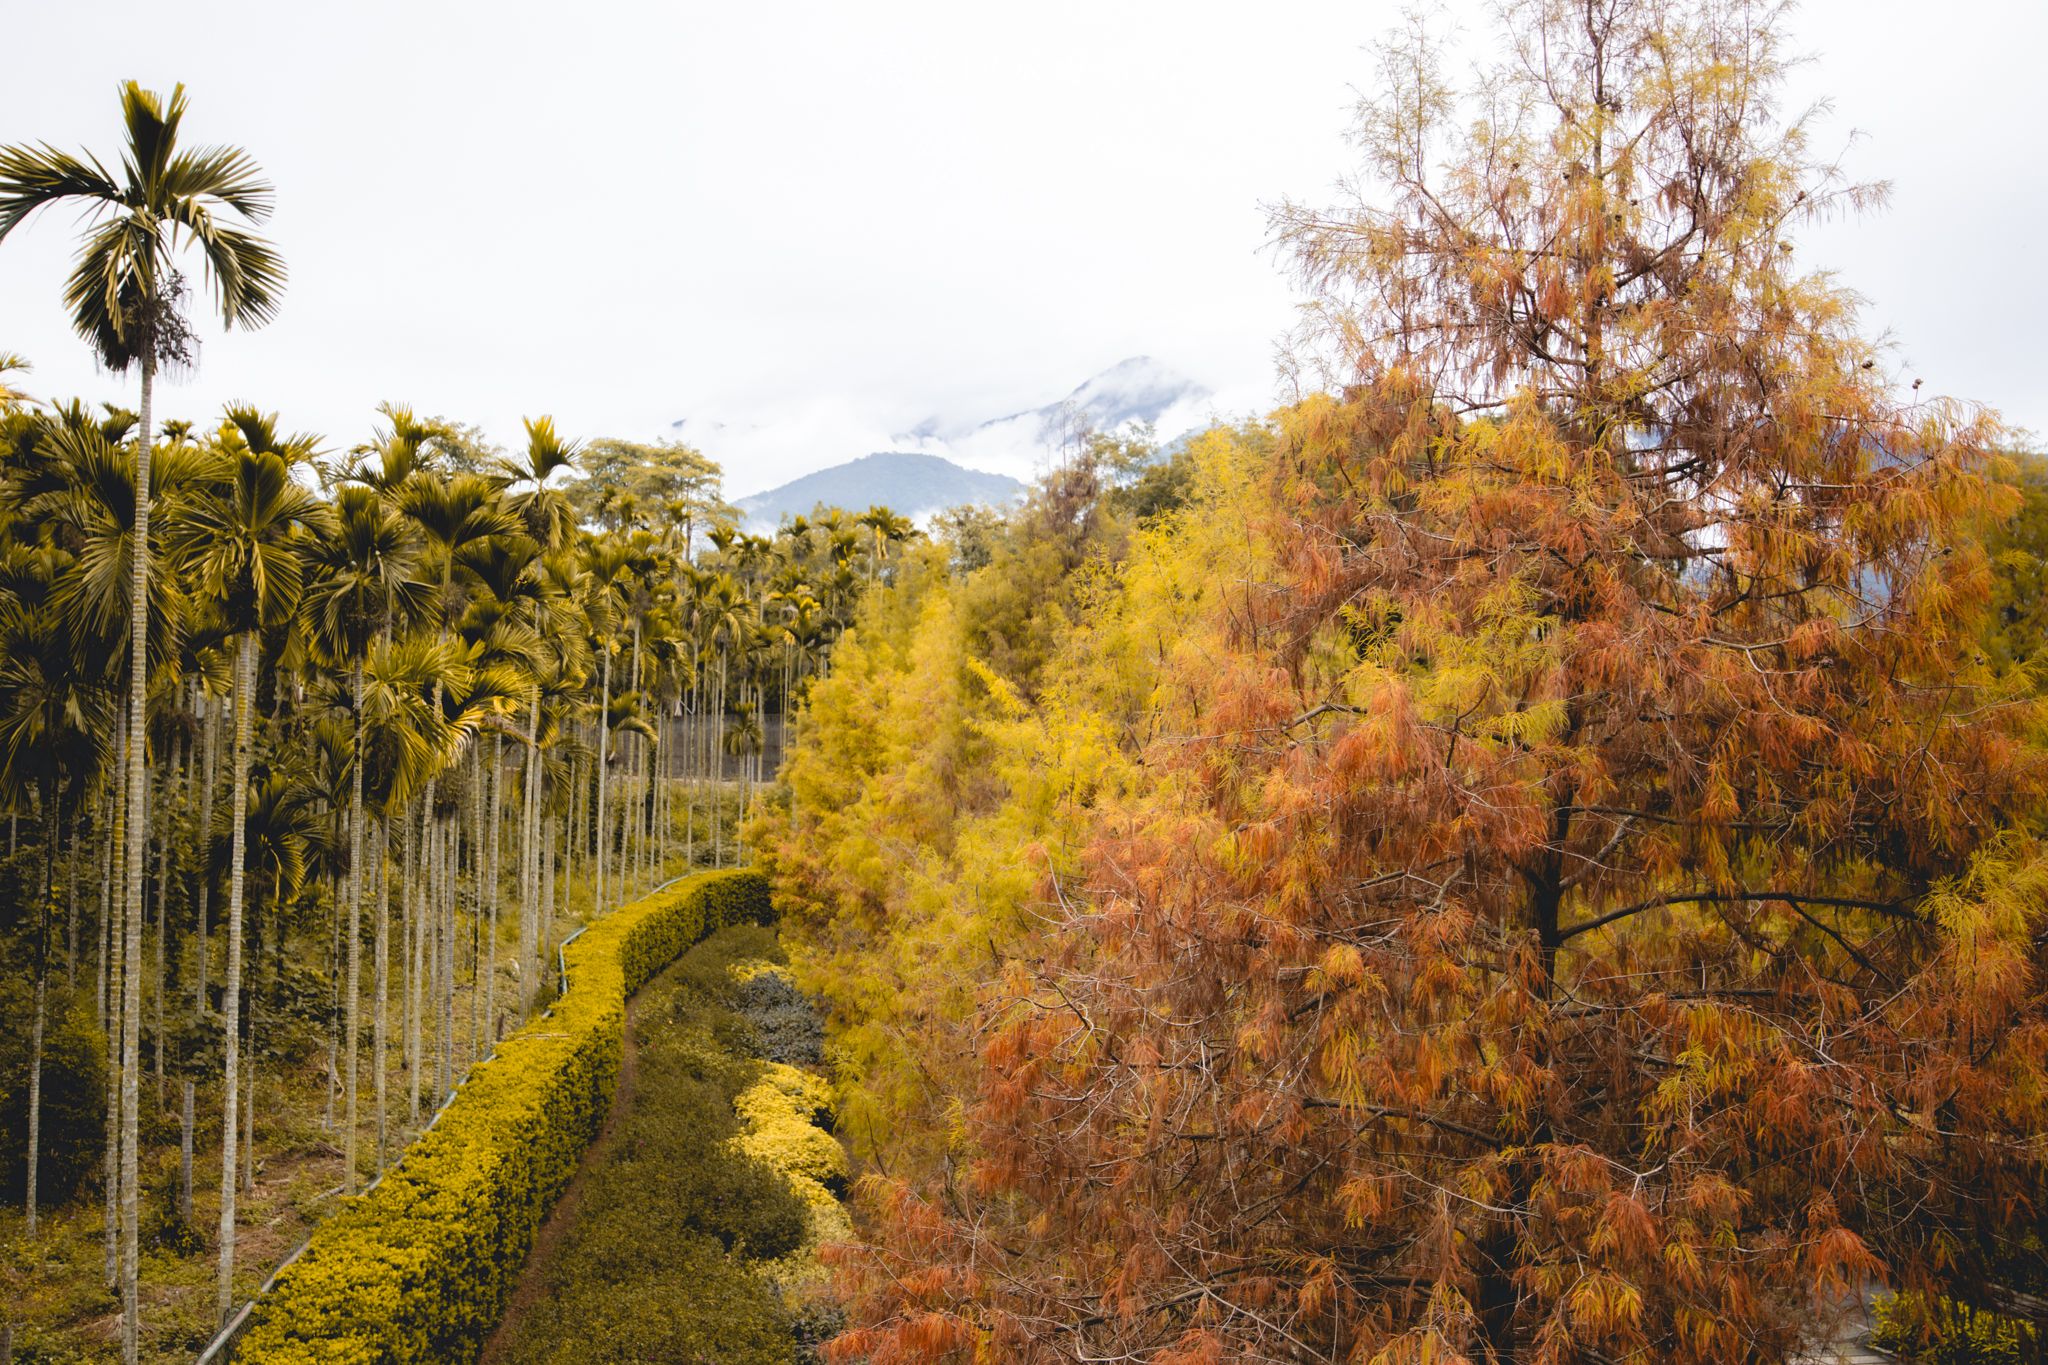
(73,1089)
(693,1239)
(419,1268)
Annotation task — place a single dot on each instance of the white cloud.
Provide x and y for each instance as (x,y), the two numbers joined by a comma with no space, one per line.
(822,222)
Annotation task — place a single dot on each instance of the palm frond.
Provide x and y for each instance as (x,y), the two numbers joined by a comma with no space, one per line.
(247,275)
(34,177)
(227,174)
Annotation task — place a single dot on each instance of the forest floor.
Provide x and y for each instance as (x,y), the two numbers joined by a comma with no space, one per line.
(53,1290)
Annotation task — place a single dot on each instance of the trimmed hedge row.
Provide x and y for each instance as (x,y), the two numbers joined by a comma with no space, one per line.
(419,1268)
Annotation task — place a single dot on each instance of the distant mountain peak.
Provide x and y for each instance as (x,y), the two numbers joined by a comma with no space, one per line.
(910,484)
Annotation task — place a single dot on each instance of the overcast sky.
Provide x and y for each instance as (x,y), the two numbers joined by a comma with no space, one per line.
(836,219)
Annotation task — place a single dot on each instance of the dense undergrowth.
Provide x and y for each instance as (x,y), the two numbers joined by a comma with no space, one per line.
(692,1238)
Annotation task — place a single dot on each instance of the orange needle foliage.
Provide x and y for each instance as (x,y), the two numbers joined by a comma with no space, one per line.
(1586,910)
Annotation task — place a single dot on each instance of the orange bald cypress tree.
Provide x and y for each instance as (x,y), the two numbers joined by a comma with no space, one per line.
(1589,913)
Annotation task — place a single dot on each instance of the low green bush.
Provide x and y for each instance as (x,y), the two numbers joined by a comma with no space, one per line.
(419,1268)
(786,1025)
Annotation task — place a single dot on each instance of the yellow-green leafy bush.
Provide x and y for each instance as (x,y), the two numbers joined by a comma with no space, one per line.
(1943,1332)
(419,1268)
(780,1113)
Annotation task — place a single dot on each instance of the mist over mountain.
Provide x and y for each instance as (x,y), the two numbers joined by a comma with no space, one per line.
(913,485)
(1131,391)
(794,440)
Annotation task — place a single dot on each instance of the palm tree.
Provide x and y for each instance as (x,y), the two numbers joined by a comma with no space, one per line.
(607,586)
(124,295)
(450,514)
(405,677)
(243,541)
(548,513)
(499,627)
(563,625)
(360,576)
(550,520)
(887,529)
(726,627)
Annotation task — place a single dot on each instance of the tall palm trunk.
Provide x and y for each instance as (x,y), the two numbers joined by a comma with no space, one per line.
(35,1073)
(436,933)
(380,1023)
(635,862)
(718,766)
(353,1015)
(111,903)
(604,744)
(529,900)
(694,705)
(231,994)
(479,867)
(71,893)
(492,888)
(547,898)
(572,798)
(209,742)
(416,954)
(451,852)
(138,834)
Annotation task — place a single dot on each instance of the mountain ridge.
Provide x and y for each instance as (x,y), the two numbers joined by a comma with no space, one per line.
(909,483)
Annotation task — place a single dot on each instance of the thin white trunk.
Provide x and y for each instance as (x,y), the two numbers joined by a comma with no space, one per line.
(547,900)
(231,995)
(110,1007)
(352,1047)
(380,1025)
(35,1093)
(138,834)
(492,890)
(451,853)
(604,742)
(529,851)
(185,1156)
(209,742)
(415,956)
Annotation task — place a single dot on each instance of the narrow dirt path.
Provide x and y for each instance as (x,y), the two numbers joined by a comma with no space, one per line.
(533,1278)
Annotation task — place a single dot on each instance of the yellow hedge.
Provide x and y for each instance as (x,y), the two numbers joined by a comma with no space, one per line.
(419,1268)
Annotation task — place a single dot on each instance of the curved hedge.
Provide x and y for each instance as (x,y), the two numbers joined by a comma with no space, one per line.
(419,1268)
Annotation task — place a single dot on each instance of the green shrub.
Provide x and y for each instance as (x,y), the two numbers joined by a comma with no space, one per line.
(697,1305)
(1944,1332)
(786,1025)
(419,1268)
(164,1227)
(74,1099)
